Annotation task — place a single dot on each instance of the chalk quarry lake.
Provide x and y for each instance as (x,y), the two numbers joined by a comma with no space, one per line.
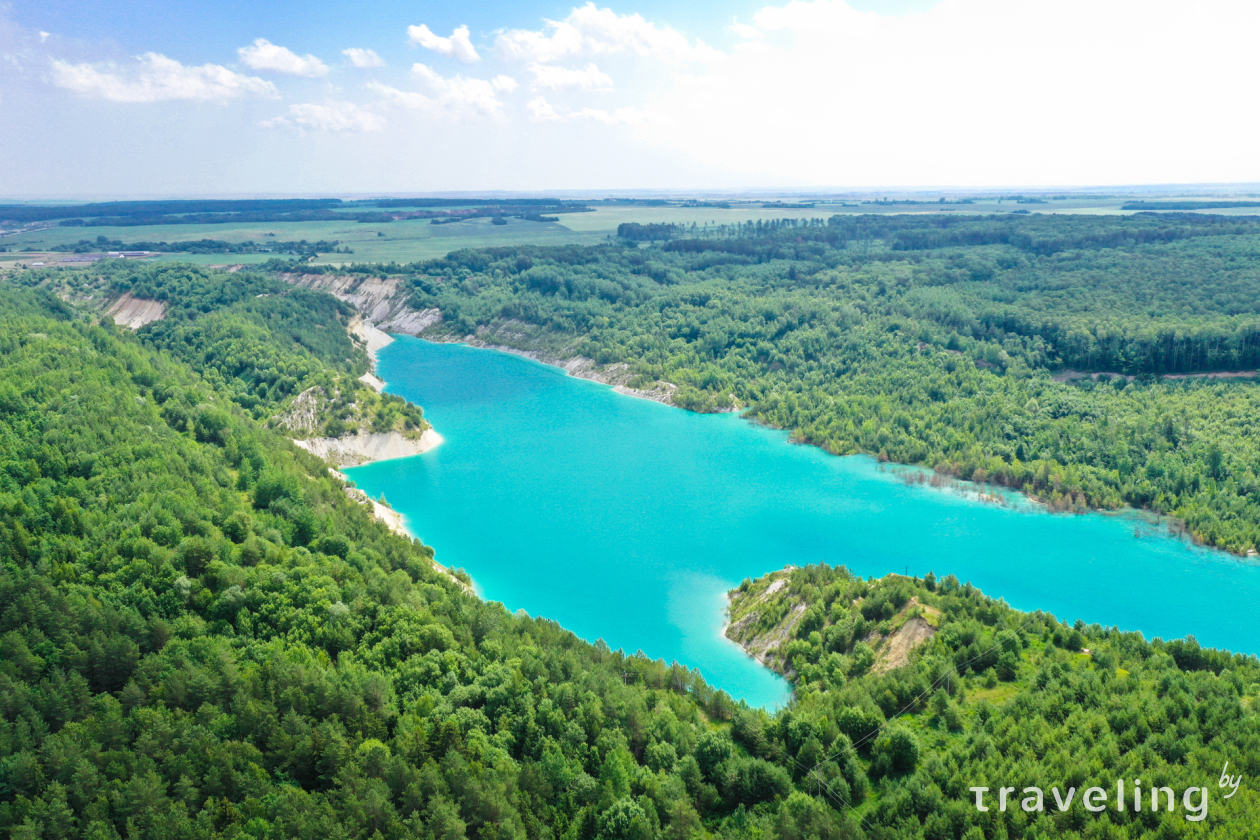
(626,520)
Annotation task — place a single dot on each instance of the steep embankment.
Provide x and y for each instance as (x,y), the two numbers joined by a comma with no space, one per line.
(382,303)
(765,640)
(311,411)
(134,312)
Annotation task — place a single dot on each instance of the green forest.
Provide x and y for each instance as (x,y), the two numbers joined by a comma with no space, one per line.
(203,635)
(928,340)
(993,697)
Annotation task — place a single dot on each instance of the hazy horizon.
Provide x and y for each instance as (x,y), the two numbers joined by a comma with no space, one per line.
(1239,189)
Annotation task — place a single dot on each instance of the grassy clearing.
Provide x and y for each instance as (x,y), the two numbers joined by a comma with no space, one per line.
(995,696)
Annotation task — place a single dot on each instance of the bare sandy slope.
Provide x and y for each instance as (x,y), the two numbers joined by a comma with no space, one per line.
(133,312)
(381,301)
(368,447)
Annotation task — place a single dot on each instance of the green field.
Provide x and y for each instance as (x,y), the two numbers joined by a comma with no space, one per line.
(404,241)
(409,241)
(8,261)
(418,239)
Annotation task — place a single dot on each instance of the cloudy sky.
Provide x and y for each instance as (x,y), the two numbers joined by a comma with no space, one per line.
(183,97)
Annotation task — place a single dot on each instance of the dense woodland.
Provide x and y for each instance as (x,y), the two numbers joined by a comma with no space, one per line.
(994,697)
(929,340)
(202,635)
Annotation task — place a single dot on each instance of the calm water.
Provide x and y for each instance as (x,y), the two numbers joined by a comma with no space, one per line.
(627,520)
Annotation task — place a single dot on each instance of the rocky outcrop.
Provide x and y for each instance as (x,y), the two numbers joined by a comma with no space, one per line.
(617,375)
(767,647)
(305,415)
(373,381)
(765,644)
(373,338)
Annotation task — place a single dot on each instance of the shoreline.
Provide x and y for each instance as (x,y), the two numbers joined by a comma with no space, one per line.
(973,492)
(387,301)
(1013,498)
(966,492)
(582,367)
(579,367)
(395,522)
(361,448)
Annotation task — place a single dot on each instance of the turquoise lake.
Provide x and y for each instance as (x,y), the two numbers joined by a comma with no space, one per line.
(628,520)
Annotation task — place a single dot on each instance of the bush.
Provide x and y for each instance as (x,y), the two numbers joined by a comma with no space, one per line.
(896,751)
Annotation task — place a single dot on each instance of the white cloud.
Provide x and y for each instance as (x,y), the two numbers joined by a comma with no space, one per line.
(457,46)
(543,111)
(264,55)
(157,79)
(455,95)
(43,36)
(540,109)
(745,31)
(327,116)
(403,98)
(1000,92)
(363,58)
(1004,93)
(592,31)
(563,78)
(620,116)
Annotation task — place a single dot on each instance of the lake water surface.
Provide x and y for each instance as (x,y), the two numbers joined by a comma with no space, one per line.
(628,520)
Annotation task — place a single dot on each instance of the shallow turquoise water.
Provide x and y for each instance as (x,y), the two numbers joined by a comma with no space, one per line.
(627,520)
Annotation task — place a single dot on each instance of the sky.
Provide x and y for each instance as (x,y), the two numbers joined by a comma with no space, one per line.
(136,98)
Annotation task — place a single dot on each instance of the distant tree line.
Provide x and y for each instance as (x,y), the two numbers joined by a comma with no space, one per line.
(1206,204)
(207,246)
(151,209)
